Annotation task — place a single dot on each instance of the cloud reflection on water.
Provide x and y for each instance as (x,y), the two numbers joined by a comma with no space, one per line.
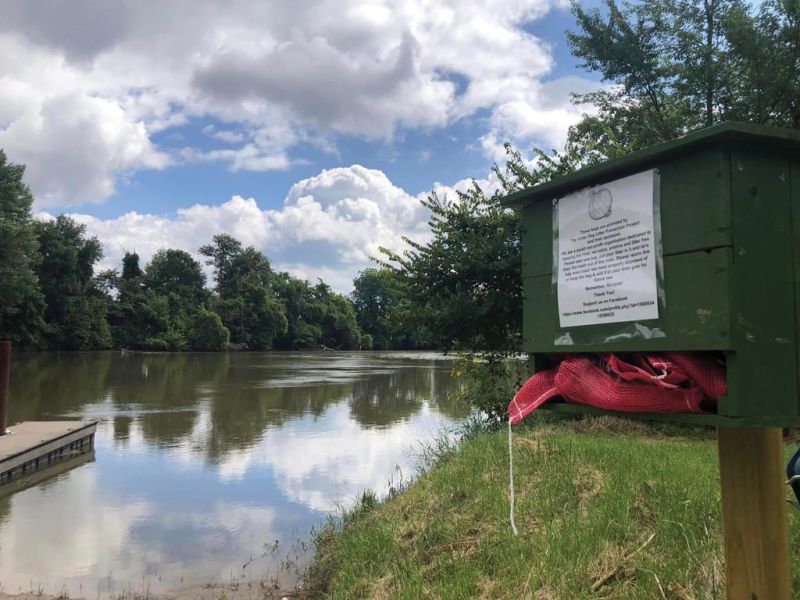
(202,459)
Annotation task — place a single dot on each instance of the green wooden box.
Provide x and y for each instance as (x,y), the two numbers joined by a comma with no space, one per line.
(729,204)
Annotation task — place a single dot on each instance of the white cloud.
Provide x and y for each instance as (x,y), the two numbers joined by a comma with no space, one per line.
(319,83)
(356,210)
(249,157)
(188,230)
(489,184)
(73,145)
(225,135)
(329,225)
(85,88)
(543,117)
(263,149)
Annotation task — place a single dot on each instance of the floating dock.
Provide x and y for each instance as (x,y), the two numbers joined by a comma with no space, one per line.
(35,445)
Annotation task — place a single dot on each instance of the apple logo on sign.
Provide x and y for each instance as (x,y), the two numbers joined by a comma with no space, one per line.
(600,203)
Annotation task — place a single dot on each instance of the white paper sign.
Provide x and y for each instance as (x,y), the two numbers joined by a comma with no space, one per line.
(606,253)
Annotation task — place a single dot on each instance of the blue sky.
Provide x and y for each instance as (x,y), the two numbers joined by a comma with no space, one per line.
(309,129)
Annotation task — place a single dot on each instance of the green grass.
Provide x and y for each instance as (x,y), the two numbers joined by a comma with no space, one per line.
(605,509)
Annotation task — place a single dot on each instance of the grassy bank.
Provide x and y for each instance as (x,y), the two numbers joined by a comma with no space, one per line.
(622,510)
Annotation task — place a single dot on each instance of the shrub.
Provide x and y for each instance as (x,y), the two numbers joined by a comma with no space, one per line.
(208,333)
(366,341)
(488,382)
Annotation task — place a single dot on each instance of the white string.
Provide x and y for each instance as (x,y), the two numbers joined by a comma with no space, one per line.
(511,477)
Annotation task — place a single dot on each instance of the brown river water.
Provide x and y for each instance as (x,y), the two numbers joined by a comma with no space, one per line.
(208,467)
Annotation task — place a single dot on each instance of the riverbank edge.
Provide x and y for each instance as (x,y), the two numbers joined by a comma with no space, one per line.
(591,522)
(606,507)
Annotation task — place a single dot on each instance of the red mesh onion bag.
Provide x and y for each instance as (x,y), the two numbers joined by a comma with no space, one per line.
(670,383)
(536,391)
(704,370)
(581,381)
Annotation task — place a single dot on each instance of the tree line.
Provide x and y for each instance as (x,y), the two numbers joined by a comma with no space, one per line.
(669,67)
(52,298)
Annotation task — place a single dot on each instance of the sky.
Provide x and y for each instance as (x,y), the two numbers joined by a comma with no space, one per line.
(309,129)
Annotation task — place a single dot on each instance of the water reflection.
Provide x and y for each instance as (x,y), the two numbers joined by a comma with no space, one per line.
(201,459)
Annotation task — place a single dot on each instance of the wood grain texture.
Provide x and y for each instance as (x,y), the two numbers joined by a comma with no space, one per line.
(754,513)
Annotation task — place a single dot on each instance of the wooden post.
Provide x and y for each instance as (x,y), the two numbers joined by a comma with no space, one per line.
(5,376)
(752,479)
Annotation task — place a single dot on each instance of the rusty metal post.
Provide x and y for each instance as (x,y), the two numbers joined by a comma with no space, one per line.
(5,377)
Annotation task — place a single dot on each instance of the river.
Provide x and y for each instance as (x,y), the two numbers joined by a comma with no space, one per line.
(208,467)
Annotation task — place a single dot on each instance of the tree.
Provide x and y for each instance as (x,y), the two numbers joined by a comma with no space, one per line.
(365,343)
(139,318)
(207,332)
(162,307)
(222,253)
(130,267)
(233,263)
(376,297)
(335,316)
(244,299)
(765,62)
(676,65)
(316,315)
(383,311)
(298,301)
(466,281)
(178,278)
(668,59)
(176,272)
(21,301)
(75,306)
(253,317)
